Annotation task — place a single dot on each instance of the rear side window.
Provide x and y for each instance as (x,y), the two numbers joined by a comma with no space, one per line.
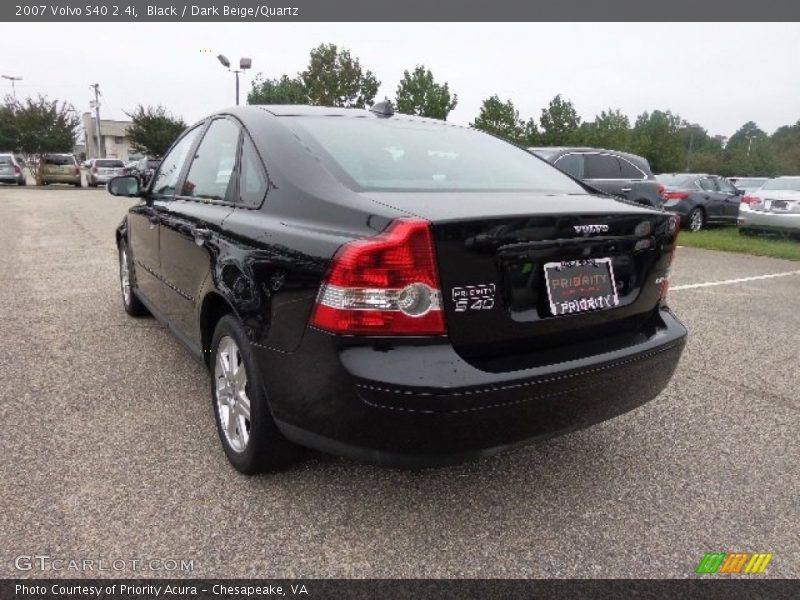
(5,160)
(708,184)
(629,171)
(211,173)
(572,164)
(252,180)
(602,166)
(167,177)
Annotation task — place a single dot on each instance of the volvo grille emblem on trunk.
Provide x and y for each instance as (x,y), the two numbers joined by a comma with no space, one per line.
(590,228)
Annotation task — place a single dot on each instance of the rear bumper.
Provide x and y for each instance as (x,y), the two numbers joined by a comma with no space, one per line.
(73,179)
(759,220)
(421,404)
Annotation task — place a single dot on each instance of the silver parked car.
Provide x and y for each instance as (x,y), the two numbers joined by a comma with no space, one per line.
(774,207)
(11,169)
(103,169)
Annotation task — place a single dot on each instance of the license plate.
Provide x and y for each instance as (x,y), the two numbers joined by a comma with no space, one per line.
(780,204)
(580,286)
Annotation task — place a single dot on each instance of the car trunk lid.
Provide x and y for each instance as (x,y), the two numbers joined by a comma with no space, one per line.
(500,254)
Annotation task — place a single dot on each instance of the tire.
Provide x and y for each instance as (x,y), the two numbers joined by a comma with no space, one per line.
(77,185)
(249,436)
(127,283)
(696,219)
(23,182)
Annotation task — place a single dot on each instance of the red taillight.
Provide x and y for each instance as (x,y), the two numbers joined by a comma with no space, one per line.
(17,170)
(661,191)
(675,195)
(383,285)
(77,170)
(751,200)
(674,231)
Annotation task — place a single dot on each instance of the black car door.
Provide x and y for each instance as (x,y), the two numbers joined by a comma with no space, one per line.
(192,225)
(730,198)
(144,220)
(711,199)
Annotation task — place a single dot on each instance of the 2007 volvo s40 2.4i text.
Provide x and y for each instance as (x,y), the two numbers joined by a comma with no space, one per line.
(395,289)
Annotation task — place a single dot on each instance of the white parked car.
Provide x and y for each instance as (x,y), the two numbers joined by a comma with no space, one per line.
(103,169)
(774,207)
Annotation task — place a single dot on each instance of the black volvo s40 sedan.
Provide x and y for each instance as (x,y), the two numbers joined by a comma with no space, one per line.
(395,289)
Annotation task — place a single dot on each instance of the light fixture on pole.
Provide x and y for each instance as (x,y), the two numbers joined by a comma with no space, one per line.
(13,81)
(244,64)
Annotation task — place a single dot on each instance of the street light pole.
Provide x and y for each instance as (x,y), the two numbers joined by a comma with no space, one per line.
(13,81)
(96,87)
(244,64)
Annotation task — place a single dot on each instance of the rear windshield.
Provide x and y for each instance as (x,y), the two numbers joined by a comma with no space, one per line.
(6,160)
(783,184)
(401,155)
(749,182)
(683,181)
(109,163)
(58,159)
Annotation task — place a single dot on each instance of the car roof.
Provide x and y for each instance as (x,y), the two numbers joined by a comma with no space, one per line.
(303,110)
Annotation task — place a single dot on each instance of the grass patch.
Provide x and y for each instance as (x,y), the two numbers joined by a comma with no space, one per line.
(728,239)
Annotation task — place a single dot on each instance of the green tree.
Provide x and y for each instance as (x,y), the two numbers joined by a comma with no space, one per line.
(419,94)
(611,130)
(559,122)
(334,78)
(749,152)
(38,126)
(656,136)
(785,144)
(9,136)
(703,152)
(531,135)
(285,90)
(153,129)
(501,119)
(43,125)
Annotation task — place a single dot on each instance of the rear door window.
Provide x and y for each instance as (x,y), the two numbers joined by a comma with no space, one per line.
(5,160)
(707,184)
(572,164)
(602,166)
(211,174)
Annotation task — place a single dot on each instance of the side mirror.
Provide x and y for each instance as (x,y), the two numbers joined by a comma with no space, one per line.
(125,185)
(739,192)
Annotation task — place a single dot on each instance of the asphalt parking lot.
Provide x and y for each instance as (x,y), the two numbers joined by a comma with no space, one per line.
(109,448)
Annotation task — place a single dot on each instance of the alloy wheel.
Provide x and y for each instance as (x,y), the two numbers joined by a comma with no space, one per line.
(233,403)
(696,220)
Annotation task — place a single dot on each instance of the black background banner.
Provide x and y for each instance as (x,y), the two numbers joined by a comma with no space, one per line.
(405,10)
(710,587)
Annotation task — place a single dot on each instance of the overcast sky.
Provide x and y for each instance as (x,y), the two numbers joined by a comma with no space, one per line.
(718,75)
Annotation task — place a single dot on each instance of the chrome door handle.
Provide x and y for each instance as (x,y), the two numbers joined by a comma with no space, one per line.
(626,190)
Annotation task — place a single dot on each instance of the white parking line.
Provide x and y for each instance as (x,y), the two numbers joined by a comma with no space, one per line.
(729,281)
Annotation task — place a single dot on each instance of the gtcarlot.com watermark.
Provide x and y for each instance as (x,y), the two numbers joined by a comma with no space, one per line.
(44,562)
